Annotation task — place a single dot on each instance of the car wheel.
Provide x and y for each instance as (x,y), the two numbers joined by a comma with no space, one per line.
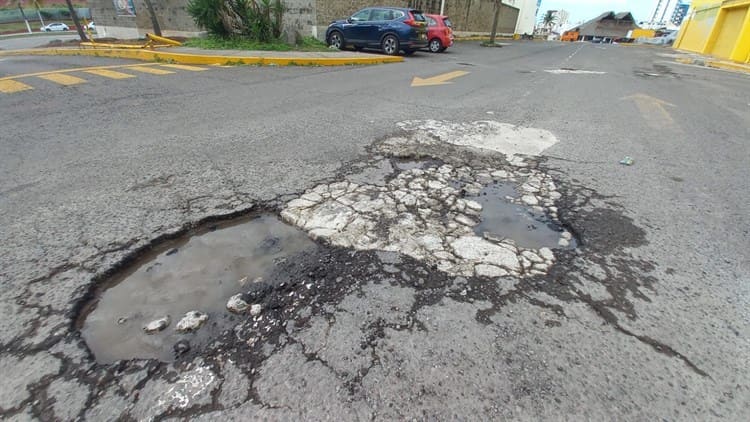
(436,46)
(47,30)
(336,39)
(389,45)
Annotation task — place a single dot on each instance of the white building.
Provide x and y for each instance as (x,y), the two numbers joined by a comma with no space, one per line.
(526,15)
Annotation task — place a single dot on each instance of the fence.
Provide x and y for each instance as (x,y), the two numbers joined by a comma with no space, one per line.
(48,13)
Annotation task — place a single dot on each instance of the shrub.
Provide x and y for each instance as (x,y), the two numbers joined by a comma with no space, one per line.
(255,19)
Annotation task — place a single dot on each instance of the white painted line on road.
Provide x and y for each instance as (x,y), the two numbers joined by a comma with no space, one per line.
(575,52)
(574,71)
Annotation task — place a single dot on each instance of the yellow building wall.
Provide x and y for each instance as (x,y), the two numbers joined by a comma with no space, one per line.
(729,32)
(719,28)
(643,33)
(695,32)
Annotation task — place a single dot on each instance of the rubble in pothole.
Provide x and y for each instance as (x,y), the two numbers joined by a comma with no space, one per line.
(426,212)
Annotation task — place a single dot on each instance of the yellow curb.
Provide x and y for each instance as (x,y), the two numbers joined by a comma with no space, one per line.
(480,38)
(182,58)
(728,66)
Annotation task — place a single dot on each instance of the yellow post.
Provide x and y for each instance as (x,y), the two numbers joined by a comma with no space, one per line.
(164,40)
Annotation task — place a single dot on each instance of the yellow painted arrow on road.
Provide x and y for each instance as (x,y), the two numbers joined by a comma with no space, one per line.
(439,79)
(652,109)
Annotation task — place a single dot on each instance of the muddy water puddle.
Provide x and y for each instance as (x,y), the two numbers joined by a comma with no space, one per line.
(500,217)
(197,273)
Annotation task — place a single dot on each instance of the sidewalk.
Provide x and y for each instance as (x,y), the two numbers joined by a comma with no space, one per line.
(701,60)
(187,55)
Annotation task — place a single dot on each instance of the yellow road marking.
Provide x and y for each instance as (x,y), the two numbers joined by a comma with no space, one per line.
(652,109)
(151,70)
(77,69)
(62,79)
(109,73)
(185,67)
(10,86)
(439,79)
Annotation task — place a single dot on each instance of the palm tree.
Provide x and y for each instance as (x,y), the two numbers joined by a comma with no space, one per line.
(19,4)
(152,14)
(549,19)
(38,4)
(76,21)
(498,8)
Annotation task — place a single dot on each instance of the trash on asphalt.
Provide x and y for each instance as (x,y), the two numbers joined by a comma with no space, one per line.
(627,161)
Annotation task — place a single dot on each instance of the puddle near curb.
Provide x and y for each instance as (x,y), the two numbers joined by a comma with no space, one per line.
(198,273)
(528,228)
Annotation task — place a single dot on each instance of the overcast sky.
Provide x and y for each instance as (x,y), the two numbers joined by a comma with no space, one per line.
(583,10)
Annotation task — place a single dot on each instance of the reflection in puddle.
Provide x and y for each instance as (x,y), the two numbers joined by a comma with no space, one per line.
(199,274)
(529,229)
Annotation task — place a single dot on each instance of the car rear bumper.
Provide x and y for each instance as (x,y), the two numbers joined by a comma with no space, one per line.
(415,44)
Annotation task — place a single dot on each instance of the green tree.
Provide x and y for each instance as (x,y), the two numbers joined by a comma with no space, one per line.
(259,20)
(549,19)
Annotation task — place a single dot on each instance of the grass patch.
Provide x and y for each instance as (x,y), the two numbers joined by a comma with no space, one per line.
(217,43)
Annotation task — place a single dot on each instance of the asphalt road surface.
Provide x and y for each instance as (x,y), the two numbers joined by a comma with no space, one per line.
(15,42)
(647,319)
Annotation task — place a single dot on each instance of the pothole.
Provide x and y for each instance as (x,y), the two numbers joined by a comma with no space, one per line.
(197,273)
(529,228)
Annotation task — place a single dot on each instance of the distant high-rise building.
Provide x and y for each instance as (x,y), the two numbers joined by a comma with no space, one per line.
(680,11)
(664,12)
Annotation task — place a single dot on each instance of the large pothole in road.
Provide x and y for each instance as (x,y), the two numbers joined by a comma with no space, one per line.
(459,210)
(198,273)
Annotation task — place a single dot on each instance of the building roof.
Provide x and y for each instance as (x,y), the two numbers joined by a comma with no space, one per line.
(608,24)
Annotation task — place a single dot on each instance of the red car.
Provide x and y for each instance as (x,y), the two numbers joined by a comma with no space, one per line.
(439,33)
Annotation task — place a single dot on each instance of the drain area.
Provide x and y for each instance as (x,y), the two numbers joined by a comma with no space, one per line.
(176,298)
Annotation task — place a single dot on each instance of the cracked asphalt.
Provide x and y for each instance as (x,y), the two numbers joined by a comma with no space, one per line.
(647,318)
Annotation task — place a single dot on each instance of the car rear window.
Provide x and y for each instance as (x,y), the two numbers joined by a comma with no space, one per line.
(418,16)
(448,23)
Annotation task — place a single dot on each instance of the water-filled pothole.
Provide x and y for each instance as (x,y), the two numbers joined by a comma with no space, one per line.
(196,273)
(527,227)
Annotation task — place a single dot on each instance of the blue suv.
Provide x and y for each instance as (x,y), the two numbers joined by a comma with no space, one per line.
(390,29)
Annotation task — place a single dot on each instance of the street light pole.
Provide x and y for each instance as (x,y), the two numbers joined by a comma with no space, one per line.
(442,7)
